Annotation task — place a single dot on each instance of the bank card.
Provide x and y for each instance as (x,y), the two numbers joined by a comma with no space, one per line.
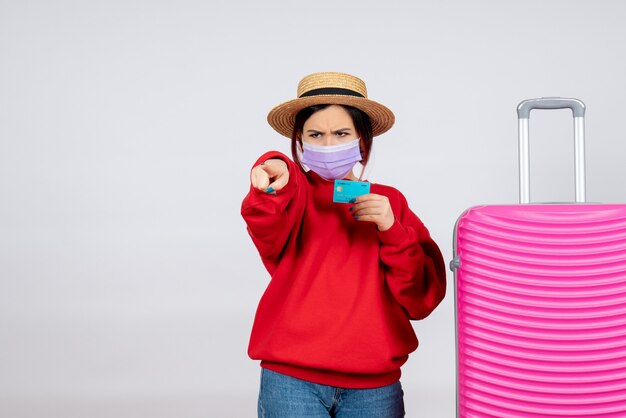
(346,190)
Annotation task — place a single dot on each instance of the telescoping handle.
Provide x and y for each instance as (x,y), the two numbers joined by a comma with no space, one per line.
(523,114)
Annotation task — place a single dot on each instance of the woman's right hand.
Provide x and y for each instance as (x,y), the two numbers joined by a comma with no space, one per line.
(270,175)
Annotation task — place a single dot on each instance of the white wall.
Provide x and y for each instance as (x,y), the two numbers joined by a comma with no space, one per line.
(128,283)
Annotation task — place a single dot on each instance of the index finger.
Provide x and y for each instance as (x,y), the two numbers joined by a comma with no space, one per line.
(259,178)
(366,197)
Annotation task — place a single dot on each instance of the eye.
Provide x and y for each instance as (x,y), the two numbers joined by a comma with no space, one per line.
(341,134)
(314,135)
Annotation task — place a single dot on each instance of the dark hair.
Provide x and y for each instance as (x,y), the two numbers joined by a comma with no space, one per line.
(360,120)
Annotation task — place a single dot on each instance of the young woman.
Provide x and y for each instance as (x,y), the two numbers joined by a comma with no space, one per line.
(333,327)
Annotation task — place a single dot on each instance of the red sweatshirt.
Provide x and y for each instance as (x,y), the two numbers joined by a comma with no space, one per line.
(342,293)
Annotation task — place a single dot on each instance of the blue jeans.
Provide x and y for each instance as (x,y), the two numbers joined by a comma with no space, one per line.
(284,396)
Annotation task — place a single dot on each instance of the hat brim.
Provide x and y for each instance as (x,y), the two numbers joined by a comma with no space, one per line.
(283,116)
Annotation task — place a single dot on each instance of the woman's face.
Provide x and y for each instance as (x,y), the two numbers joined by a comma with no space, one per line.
(330,126)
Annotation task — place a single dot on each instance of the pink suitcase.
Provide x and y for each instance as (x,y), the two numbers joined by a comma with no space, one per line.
(541,300)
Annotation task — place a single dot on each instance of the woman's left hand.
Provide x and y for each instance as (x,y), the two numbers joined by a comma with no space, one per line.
(373,208)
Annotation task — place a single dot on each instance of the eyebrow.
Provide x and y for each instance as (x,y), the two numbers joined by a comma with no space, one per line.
(315,131)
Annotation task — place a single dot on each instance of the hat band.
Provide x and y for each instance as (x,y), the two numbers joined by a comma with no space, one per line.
(331,90)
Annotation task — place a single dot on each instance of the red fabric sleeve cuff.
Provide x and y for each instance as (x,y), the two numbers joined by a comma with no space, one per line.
(393,235)
(272,154)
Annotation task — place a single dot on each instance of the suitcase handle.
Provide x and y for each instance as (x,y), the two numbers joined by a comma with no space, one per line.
(524,108)
(523,114)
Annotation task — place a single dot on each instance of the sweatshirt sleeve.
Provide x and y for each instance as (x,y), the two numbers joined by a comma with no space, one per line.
(270,218)
(414,267)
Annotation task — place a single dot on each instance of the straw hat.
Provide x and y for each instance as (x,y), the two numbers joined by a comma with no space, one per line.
(330,88)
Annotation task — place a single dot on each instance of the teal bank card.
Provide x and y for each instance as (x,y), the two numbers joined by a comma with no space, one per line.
(346,190)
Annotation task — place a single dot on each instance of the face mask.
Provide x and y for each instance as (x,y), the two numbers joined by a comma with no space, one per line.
(333,161)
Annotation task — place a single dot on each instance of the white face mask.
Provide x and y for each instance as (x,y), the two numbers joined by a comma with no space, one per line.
(331,162)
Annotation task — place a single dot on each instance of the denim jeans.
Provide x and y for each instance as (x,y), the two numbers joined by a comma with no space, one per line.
(283,396)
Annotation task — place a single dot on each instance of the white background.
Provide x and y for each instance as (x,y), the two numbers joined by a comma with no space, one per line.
(128,283)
